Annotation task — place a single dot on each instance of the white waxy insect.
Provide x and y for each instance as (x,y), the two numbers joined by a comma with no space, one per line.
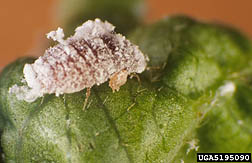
(93,55)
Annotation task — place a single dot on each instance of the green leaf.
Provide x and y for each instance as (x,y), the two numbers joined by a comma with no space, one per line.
(124,14)
(178,99)
(226,127)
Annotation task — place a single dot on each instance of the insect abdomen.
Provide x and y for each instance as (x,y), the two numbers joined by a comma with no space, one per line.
(91,56)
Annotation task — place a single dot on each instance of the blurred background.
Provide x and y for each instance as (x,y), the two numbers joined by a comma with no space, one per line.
(25,23)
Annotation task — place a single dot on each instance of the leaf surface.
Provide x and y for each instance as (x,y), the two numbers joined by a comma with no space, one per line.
(147,121)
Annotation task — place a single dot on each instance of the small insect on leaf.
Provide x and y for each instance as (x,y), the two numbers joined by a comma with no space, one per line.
(93,55)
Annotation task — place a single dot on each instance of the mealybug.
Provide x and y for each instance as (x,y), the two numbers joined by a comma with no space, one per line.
(93,55)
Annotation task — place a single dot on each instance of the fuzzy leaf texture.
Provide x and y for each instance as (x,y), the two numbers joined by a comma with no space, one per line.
(179,99)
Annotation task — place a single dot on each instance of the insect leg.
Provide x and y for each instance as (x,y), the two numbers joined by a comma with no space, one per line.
(42,100)
(136,76)
(88,92)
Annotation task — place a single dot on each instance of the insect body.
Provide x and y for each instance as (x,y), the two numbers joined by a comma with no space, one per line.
(93,55)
